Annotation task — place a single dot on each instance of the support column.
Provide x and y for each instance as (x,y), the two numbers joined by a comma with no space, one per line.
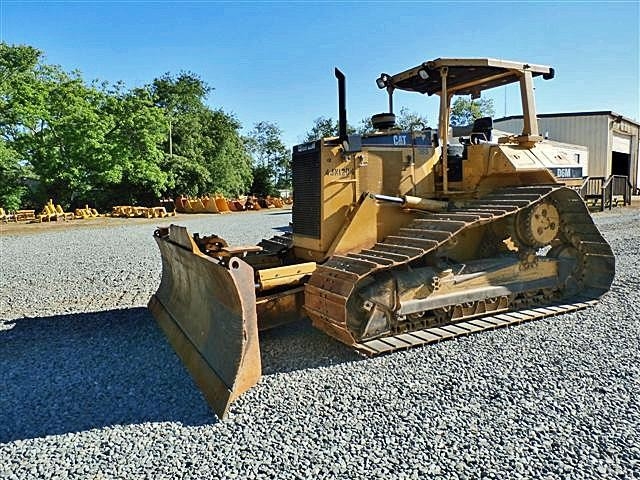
(529,115)
(443,127)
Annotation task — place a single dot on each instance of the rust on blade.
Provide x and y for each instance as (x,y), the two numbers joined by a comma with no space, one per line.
(207,310)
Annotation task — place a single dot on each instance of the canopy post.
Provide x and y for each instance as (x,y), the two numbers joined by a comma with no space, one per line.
(443,127)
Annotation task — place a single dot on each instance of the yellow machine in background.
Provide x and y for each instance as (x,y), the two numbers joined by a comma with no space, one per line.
(399,239)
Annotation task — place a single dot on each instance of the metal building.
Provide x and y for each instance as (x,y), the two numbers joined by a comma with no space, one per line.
(612,139)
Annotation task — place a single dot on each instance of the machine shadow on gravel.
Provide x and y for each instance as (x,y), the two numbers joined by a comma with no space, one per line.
(70,373)
(299,346)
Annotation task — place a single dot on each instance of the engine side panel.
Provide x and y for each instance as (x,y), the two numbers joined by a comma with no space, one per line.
(328,184)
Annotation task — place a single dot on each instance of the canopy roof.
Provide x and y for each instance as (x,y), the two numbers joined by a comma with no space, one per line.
(465,76)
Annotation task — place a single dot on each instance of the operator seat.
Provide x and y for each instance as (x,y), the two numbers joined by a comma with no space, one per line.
(481,131)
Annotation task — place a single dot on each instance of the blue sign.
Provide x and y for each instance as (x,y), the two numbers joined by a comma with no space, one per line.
(402,139)
(567,172)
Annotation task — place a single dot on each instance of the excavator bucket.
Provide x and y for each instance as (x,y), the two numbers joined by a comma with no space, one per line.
(210,205)
(198,206)
(221,203)
(207,309)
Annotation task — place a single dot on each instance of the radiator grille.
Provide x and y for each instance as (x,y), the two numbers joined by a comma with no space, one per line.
(306,189)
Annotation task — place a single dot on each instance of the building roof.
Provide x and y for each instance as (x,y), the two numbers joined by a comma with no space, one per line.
(573,114)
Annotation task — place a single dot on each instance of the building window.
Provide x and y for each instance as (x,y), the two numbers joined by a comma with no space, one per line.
(576,157)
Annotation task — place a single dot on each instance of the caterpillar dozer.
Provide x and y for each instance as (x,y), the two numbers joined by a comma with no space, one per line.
(399,239)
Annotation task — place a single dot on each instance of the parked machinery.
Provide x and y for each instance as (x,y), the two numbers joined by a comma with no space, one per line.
(399,239)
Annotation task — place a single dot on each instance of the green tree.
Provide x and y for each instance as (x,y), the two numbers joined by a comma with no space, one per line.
(69,151)
(204,150)
(98,144)
(365,126)
(50,121)
(209,154)
(465,110)
(81,143)
(263,183)
(104,144)
(324,127)
(227,157)
(13,174)
(406,120)
(269,154)
(21,105)
(177,96)
(133,142)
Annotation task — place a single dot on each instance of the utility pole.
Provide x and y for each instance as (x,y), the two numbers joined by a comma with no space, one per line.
(170,141)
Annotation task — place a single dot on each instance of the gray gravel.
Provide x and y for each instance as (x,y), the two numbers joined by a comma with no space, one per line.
(89,388)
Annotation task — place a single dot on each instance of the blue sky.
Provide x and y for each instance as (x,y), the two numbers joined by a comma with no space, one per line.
(274,60)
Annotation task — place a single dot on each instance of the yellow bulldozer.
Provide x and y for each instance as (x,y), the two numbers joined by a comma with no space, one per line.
(399,239)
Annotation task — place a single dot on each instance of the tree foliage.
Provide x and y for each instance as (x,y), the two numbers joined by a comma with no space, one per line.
(77,142)
(103,144)
(205,153)
(263,183)
(324,127)
(408,120)
(20,104)
(67,149)
(12,178)
(465,110)
(365,126)
(271,159)
(138,128)
(179,94)
(227,156)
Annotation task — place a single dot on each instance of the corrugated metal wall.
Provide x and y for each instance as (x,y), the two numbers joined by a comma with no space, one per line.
(591,131)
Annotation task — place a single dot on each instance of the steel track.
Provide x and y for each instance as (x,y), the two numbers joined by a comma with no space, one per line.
(335,281)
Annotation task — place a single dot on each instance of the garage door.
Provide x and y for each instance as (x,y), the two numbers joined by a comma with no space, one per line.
(621,143)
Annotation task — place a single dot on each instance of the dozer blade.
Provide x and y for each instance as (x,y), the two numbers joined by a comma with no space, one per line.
(208,312)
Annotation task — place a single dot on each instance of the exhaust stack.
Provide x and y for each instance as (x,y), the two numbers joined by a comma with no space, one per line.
(342,106)
(350,143)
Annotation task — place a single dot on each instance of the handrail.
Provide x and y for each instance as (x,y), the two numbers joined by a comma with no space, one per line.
(591,187)
(616,185)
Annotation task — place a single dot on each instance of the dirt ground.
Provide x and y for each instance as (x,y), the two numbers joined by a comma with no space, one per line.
(26,228)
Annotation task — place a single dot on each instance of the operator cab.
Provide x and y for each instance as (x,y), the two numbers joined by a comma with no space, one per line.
(457,150)
(447,77)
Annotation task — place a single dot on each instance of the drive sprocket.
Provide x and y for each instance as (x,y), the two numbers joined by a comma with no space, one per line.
(539,225)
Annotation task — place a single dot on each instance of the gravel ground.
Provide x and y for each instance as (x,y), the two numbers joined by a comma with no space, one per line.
(89,388)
